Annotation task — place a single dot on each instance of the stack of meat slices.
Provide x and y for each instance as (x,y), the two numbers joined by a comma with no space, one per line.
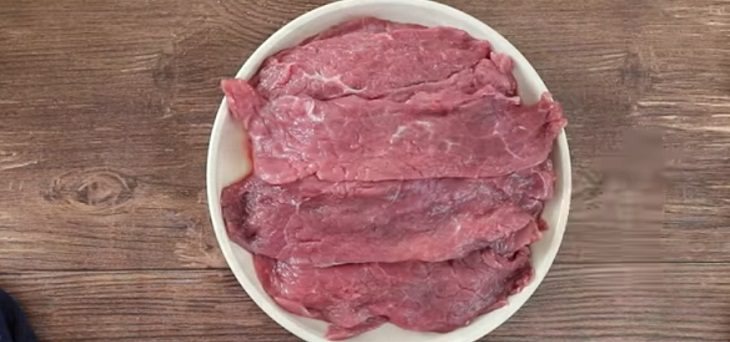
(397,177)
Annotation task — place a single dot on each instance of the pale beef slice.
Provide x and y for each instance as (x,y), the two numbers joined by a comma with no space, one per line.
(323,117)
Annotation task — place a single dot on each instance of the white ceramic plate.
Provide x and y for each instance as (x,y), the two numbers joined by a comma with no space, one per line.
(226,163)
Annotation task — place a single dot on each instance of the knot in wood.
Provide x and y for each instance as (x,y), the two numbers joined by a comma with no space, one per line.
(92,189)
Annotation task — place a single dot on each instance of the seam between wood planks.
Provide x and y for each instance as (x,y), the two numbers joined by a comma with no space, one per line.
(199,269)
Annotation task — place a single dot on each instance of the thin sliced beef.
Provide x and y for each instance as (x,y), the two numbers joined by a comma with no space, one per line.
(344,64)
(448,133)
(328,108)
(419,296)
(321,223)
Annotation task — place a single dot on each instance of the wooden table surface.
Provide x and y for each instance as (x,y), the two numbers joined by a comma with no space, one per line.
(106,108)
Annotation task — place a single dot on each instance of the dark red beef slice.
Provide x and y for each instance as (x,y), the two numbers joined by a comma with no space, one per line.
(420,296)
(321,223)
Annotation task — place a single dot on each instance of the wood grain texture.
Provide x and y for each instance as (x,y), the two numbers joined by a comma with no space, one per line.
(610,302)
(106,107)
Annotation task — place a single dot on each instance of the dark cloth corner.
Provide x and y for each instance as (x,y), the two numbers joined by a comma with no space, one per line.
(14,326)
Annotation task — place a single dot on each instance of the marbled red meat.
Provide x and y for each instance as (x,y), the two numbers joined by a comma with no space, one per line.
(438,296)
(447,133)
(316,222)
(344,61)
(396,176)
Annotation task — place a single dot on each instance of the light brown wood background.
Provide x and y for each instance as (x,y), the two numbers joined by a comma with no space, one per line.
(106,107)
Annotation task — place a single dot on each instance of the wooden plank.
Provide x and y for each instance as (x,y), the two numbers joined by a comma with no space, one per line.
(103,161)
(106,109)
(619,302)
(139,305)
(640,302)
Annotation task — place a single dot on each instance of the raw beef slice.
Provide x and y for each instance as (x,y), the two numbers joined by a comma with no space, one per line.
(393,110)
(370,63)
(320,223)
(484,134)
(419,296)
(396,176)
